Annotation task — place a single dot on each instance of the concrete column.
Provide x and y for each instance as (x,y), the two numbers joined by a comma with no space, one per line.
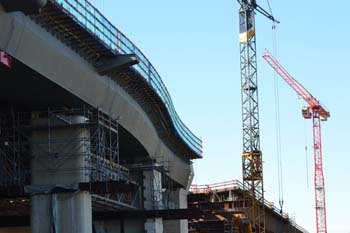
(178,226)
(152,190)
(60,157)
(108,226)
(72,212)
(152,194)
(154,225)
(119,226)
(64,212)
(41,217)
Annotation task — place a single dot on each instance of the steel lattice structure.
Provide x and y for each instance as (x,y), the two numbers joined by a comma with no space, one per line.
(320,197)
(318,113)
(252,157)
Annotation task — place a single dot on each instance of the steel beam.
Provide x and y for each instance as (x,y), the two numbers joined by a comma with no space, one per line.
(166,214)
(169,214)
(93,187)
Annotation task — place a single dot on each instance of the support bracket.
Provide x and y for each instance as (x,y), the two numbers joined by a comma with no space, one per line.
(116,64)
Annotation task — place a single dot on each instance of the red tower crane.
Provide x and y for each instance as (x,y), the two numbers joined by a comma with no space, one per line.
(317,113)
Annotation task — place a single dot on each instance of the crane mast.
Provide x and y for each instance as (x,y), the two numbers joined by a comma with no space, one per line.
(317,113)
(252,165)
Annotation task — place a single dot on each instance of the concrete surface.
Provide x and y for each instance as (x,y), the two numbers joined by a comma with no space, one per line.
(23,39)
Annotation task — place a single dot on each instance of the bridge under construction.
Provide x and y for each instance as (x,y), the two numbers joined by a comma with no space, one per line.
(90,140)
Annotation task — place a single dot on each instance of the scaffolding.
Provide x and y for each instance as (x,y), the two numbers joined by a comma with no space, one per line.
(14,152)
(37,144)
(160,185)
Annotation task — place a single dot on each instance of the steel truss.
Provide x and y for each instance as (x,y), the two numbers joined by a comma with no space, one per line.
(320,196)
(252,157)
(318,113)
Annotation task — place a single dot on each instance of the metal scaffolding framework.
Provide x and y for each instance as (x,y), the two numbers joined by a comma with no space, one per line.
(160,185)
(92,135)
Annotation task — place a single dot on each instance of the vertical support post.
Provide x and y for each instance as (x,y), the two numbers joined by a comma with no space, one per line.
(320,197)
(180,201)
(252,165)
(58,157)
(153,199)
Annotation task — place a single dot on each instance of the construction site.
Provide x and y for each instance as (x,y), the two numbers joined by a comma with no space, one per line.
(90,141)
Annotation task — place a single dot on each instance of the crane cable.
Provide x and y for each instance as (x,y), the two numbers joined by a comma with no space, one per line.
(306,156)
(277,117)
(278,129)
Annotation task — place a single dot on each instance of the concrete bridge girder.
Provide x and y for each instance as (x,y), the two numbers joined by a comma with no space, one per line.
(33,46)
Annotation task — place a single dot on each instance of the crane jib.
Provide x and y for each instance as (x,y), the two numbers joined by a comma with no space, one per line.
(317,113)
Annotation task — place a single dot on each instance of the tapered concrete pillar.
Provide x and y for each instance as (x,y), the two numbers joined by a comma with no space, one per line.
(152,194)
(60,158)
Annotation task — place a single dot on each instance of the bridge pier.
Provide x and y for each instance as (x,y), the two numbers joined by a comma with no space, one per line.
(64,212)
(126,225)
(153,200)
(59,161)
(114,226)
(178,226)
(41,217)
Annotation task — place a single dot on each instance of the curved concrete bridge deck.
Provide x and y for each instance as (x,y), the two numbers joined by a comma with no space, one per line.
(54,44)
(66,55)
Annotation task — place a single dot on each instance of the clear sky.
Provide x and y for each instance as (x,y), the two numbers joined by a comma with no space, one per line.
(194,46)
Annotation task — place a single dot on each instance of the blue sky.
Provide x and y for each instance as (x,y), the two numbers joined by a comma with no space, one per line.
(194,46)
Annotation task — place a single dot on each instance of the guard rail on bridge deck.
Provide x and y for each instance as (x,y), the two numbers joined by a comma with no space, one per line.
(237,185)
(87,16)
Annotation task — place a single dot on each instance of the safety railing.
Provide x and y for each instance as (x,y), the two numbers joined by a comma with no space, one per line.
(217,187)
(236,184)
(87,16)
